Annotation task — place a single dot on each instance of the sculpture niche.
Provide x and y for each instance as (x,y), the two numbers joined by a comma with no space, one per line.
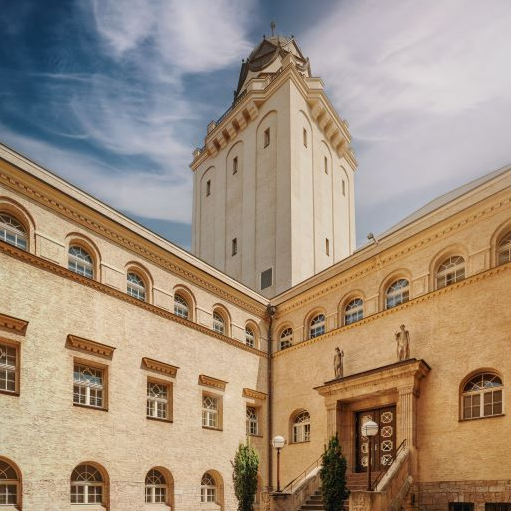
(338,363)
(403,343)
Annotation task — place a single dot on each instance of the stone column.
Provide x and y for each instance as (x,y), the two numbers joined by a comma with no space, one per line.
(407,422)
(331,419)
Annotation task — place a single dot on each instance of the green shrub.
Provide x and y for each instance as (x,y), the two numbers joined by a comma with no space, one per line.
(245,467)
(333,476)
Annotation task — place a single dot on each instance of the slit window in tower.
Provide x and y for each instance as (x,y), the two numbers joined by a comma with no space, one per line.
(304,137)
(327,246)
(208,188)
(343,187)
(266,278)
(326,164)
(235,165)
(267,137)
(234,246)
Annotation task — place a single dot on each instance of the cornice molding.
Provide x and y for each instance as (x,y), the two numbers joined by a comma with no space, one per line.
(411,303)
(254,394)
(61,271)
(16,325)
(89,346)
(38,191)
(160,367)
(209,381)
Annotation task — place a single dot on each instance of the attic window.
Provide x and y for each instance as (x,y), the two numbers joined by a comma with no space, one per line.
(267,137)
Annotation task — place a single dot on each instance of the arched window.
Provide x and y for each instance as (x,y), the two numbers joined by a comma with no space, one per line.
(218,323)
(80,261)
(155,487)
(286,338)
(135,286)
(9,485)
(504,249)
(12,231)
(450,271)
(398,292)
(482,396)
(180,306)
(208,488)
(302,427)
(87,485)
(317,326)
(354,311)
(250,338)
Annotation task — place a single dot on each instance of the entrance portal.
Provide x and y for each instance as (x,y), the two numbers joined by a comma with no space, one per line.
(384,443)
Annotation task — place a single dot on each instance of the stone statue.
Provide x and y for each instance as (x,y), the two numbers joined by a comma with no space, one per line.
(403,343)
(338,363)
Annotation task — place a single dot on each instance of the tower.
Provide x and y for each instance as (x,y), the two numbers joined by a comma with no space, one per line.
(274,182)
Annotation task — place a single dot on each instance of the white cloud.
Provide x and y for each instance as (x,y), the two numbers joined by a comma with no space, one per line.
(426,87)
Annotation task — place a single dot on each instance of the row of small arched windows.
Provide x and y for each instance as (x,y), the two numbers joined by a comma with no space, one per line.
(81,261)
(449,271)
(89,485)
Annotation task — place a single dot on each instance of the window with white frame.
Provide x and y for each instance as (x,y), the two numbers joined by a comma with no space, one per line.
(450,271)
(87,485)
(210,411)
(218,323)
(286,338)
(398,292)
(8,367)
(80,261)
(135,286)
(158,399)
(482,396)
(250,338)
(155,487)
(88,388)
(317,326)
(504,249)
(354,311)
(302,427)
(252,422)
(180,306)
(9,485)
(208,488)
(12,231)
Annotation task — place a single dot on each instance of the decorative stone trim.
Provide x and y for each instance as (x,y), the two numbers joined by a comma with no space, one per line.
(209,381)
(19,326)
(89,346)
(61,271)
(160,367)
(254,394)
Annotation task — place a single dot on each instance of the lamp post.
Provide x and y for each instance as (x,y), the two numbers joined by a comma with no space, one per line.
(369,430)
(278,443)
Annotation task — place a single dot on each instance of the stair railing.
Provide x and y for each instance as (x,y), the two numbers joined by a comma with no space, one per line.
(302,476)
(376,482)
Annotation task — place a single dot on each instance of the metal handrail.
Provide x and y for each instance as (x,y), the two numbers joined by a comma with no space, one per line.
(303,474)
(377,481)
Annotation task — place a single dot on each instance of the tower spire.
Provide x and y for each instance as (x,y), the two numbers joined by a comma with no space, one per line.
(273,26)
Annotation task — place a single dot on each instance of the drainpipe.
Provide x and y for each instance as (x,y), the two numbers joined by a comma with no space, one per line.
(270,310)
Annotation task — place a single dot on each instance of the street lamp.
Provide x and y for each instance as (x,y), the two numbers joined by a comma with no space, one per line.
(278,443)
(369,430)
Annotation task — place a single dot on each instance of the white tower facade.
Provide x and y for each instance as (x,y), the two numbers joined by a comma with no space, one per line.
(274,182)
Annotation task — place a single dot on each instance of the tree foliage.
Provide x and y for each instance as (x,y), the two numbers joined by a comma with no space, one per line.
(333,476)
(245,467)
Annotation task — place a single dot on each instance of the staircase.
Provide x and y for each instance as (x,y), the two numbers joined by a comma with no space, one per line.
(314,502)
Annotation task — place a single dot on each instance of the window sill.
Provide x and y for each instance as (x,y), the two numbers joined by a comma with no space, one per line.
(158,419)
(299,443)
(88,507)
(485,417)
(255,436)
(212,429)
(78,405)
(9,393)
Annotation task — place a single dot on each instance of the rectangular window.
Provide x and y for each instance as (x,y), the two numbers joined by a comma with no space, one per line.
(252,421)
(497,506)
(267,137)
(343,187)
(234,246)
(235,165)
(304,137)
(327,246)
(211,411)
(266,278)
(9,367)
(208,188)
(325,161)
(461,506)
(89,386)
(158,399)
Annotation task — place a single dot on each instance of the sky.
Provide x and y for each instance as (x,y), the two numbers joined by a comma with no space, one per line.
(114,96)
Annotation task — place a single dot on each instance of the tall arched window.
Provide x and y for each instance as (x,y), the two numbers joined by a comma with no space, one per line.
(504,249)
(87,485)
(12,231)
(180,306)
(450,271)
(302,427)
(80,261)
(9,485)
(317,326)
(354,311)
(218,323)
(398,292)
(482,396)
(208,489)
(250,338)
(155,487)
(286,338)
(135,286)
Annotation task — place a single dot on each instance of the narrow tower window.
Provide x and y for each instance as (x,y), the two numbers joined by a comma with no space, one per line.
(327,246)
(235,165)
(234,246)
(304,137)
(343,187)
(267,137)
(208,188)
(325,160)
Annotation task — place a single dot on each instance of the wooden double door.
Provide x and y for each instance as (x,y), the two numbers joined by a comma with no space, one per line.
(384,443)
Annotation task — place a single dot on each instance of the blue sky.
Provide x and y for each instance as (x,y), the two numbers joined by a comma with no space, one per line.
(114,96)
